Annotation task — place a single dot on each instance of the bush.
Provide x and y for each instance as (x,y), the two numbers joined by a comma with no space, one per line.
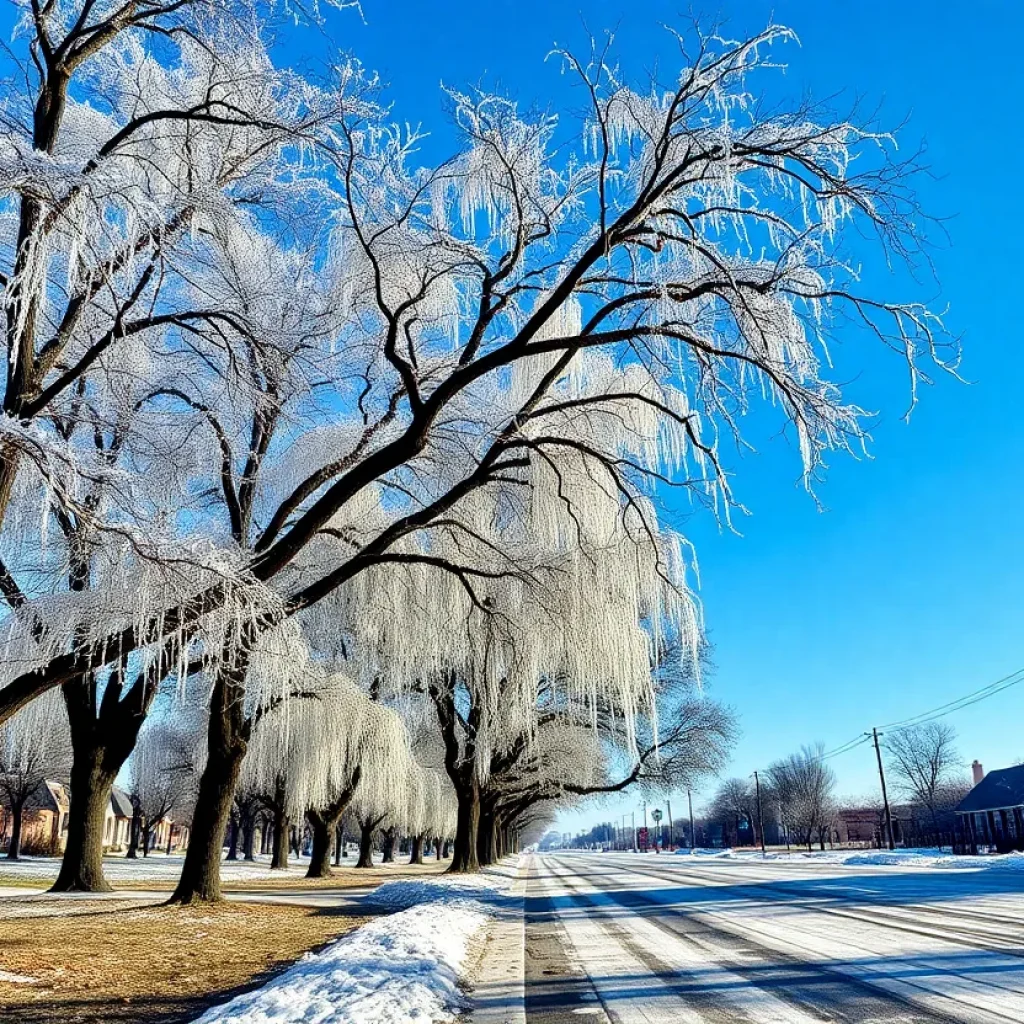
(41,846)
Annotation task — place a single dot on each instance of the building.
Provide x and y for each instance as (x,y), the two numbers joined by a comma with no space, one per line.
(117,825)
(44,827)
(865,826)
(991,817)
(44,820)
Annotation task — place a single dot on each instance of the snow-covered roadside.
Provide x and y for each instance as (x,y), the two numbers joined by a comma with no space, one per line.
(399,968)
(925,858)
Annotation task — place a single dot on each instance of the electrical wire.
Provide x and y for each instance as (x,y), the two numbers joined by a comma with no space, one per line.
(956,705)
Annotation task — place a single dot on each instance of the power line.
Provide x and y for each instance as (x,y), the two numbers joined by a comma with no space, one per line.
(974,697)
(961,702)
(857,741)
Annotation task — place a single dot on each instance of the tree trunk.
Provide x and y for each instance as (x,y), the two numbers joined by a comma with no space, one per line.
(249,837)
(437,847)
(81,868)
(17,817)
(487,837)
(233,837)
(339,842)
(388,848)
(366,845)
(464,853)
(282,826)
(226,746)
(416,853)
(324,827)
(134,831)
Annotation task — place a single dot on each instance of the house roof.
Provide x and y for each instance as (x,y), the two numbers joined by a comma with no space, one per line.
(120,803)
(1003,787)
(48,796)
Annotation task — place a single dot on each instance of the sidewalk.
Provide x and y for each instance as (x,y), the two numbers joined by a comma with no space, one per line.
(498,995)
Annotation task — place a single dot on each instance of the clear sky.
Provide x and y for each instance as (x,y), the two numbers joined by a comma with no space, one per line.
(908,590)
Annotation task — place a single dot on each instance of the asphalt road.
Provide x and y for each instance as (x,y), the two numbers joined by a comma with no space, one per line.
(634,939)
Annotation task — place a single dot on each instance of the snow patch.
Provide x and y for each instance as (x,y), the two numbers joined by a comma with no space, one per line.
(928,857)
(17,979)
(399,969)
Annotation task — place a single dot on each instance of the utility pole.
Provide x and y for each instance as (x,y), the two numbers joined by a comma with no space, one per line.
(671,837)
(693,839)
(760,816)
(632,815)
(885,797)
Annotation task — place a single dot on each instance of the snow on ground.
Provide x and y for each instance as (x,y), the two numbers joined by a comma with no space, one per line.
(400,968)
(932,857)
(159,868)
(16,979)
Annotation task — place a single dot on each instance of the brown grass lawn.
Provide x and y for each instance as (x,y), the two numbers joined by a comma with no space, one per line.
(135,962)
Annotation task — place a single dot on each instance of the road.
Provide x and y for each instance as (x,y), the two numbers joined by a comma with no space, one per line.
(634,939)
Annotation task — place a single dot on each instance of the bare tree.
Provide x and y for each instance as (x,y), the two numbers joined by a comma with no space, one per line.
(732,805)
(922,761)
(33,751)
(804,785)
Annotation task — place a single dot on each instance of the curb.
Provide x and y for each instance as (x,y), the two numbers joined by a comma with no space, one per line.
(498,997)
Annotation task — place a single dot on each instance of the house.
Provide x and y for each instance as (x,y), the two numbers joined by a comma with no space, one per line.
(44,821)
(991,816)
(117,824)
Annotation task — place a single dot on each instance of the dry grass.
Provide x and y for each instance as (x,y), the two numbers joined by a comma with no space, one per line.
(122,961)
(342,878)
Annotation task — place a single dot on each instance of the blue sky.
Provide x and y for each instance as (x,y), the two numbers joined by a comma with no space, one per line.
(907,590)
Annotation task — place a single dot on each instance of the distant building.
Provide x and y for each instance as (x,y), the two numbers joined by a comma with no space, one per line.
(991,816)
(44,820)
(44,827)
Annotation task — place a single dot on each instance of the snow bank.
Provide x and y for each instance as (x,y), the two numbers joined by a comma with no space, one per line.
(399,969)
(703,853)
(929,857)
(454,888)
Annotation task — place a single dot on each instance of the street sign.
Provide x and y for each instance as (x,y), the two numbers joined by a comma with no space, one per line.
(656,815)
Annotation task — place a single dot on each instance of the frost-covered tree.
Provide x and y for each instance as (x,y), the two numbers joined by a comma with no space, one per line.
(163,776)
(477,330)
(33,751)
(140,144)
(324,749)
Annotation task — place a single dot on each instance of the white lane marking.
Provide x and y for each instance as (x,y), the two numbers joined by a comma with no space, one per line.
(870,952)
(701,960)
(628,991)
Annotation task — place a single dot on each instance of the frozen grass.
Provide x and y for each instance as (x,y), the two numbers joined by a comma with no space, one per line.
(161,872)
